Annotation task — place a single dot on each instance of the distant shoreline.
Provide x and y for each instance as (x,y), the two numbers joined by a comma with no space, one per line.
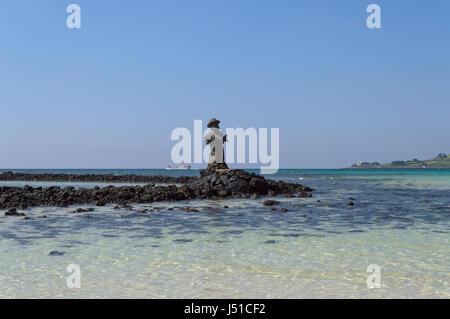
(395,168)
(441,161)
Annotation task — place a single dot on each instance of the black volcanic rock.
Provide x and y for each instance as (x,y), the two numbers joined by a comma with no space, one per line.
(13,212)
(211,184)
(56,253)
(100,178)
(270,202)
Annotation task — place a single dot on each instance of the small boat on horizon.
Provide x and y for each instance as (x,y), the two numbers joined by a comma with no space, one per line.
(182,166)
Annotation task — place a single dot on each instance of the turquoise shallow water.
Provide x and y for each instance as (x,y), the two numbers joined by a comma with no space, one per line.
(400,222)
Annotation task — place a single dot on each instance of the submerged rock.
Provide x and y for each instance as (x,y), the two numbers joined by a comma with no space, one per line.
(83,210)
(56,253)
(13,212)
(270,202)
(305,195)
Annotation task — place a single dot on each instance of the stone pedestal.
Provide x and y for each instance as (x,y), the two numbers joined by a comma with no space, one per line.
(212,168)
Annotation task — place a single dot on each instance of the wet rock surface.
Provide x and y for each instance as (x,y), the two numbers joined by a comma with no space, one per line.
(83,210)
(270,202)
(56,253)
(13,212)
(212,184)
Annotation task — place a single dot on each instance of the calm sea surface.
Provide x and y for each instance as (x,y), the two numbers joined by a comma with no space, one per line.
(320,248)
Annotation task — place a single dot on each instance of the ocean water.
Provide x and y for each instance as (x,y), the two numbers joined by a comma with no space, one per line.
(319,248)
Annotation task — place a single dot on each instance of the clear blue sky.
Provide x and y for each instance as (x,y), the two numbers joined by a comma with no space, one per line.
(108,95)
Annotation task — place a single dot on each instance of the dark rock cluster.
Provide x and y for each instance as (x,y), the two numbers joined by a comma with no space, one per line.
(99,178)
(211,184)
(239,183)
(13,212)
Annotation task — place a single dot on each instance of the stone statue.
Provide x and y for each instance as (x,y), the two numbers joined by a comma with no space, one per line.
(215,139)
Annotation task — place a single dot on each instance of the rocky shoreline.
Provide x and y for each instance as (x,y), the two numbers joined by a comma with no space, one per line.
(212,184)
(99,178)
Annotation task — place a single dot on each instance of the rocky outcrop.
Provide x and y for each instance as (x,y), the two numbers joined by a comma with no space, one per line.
(239,183)
(99,178)
(211,184)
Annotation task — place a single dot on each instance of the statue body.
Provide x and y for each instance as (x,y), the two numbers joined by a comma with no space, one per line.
(215,139)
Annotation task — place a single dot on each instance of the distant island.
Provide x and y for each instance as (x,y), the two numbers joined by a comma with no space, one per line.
(440,161)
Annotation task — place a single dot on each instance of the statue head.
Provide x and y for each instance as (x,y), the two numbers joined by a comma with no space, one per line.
(213,123)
